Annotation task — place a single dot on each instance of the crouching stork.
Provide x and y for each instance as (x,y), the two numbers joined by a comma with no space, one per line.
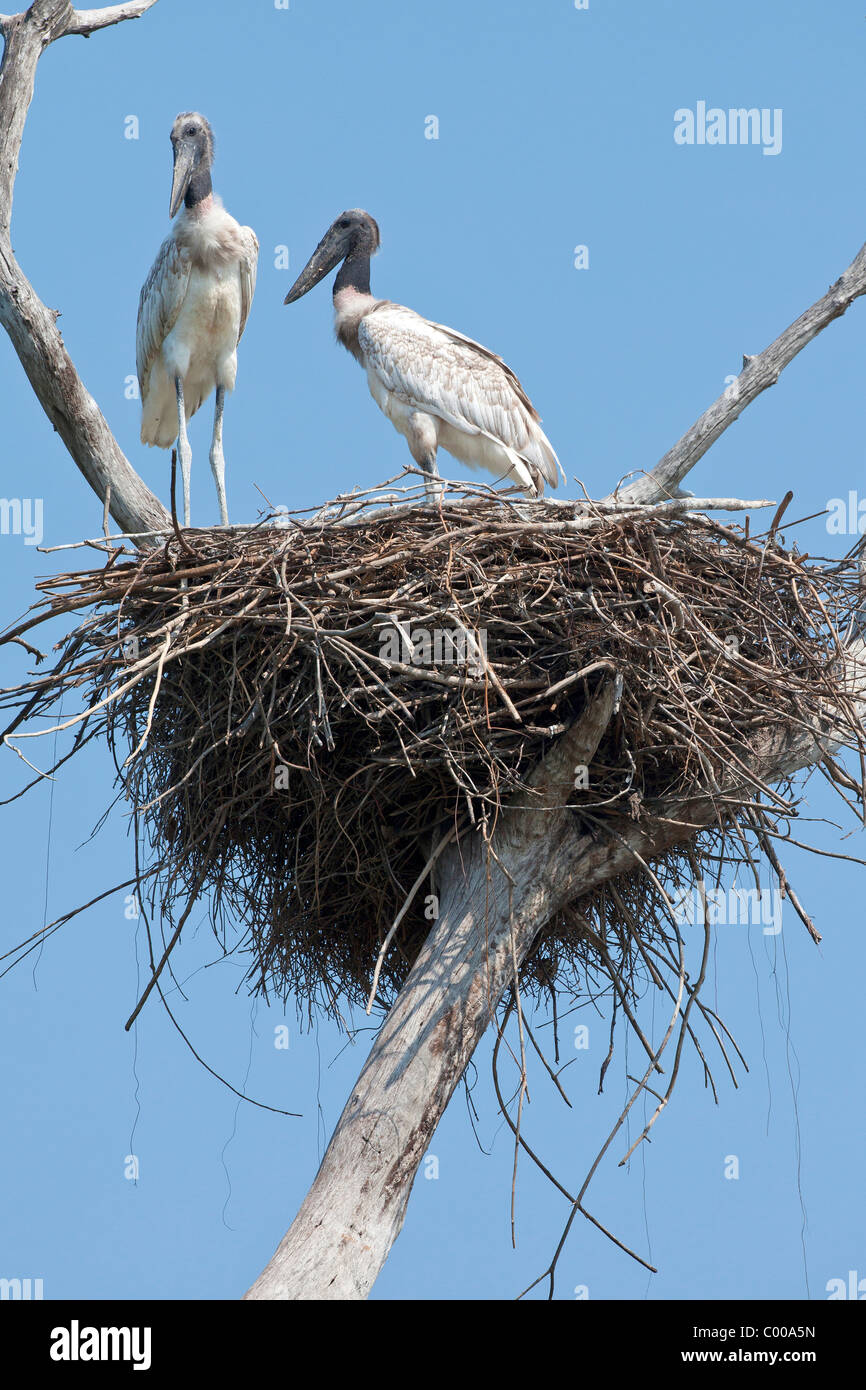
(437,387)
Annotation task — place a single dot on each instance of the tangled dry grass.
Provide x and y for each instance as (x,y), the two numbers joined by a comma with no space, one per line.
(301,711)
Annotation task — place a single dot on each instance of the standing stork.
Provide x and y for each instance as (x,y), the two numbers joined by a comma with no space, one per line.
(193,308)
(436,386)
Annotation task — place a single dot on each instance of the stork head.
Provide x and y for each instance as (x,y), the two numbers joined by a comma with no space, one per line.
(193,146)
(353,236)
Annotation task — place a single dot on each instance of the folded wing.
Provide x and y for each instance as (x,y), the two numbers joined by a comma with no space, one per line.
(248,267)
(159,305)
(435,369)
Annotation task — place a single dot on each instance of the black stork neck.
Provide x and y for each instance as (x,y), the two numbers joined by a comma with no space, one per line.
(199,188)
(354,273)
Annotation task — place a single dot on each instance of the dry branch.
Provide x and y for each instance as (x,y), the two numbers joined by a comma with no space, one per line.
(759,372)
(310,782)
(347,697)
(31,326)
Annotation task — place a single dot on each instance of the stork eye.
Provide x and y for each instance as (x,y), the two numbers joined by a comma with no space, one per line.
(191,130)
(344,222)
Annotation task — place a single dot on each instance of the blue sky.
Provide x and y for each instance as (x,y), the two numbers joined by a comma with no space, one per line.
(555,130)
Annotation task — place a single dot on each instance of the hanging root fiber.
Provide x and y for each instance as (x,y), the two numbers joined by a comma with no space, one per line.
(300,711)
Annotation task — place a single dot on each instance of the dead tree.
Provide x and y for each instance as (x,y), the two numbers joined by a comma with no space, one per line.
(493,895)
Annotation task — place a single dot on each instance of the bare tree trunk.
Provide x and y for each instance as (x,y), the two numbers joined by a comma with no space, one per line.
(493,902)
(343,1232)
(497,896)
(31,326)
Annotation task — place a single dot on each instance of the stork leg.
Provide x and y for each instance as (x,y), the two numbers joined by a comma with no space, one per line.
(183,448)
(423,440)
(432,484)
(217,460)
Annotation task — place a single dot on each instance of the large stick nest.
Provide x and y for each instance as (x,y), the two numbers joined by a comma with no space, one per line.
(300,716)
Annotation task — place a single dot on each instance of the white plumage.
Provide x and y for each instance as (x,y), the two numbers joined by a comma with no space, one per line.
(469,398)
(192,312)
(436,386)
(193,308)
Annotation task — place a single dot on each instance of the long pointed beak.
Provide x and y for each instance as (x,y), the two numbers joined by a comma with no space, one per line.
(184,163)
(330,251)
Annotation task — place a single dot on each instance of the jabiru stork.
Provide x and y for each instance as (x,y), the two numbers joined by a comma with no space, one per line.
(436,386)
(193,307)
